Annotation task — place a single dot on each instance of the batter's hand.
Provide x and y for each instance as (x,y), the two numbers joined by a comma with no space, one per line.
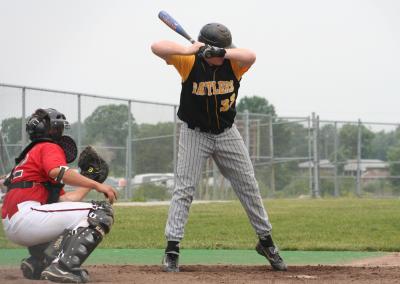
(108,192)
(209,51)
(194,48)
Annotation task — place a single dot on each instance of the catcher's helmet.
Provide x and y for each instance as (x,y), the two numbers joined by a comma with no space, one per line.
(216,34)
(46,123)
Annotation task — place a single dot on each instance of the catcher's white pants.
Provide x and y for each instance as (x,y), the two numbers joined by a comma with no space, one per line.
(35,224)
(232,158)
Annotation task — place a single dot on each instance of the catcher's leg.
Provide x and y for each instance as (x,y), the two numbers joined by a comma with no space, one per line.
(76,245)
(33,266)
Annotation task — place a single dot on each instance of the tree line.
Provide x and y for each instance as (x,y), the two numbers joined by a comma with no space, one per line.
(152,144)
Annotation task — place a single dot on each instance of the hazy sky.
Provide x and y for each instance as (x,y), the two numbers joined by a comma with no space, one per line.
(340,59)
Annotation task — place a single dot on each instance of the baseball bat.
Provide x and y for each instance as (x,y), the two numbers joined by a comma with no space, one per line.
(174,25)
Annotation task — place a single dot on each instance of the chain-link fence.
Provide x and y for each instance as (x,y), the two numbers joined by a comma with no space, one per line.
(139,140)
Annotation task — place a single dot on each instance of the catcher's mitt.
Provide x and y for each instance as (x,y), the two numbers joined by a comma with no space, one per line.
(92,165)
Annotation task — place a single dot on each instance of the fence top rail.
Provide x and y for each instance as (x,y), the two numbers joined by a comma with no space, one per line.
(85,95)
(175,105)
(362,122)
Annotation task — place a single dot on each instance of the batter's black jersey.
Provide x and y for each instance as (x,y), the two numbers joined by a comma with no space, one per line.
(209,93)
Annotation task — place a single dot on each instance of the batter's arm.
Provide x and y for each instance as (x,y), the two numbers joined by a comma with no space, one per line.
(166,48)
(244,57)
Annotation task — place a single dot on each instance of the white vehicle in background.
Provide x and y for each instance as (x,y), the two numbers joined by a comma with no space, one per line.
(160,179)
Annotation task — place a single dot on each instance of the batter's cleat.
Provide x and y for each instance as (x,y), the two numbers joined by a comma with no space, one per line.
(272,255)
(170,262)
(32,267)
(57,274)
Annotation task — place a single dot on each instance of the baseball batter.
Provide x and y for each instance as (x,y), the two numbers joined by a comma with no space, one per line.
(211,70)
(59,231)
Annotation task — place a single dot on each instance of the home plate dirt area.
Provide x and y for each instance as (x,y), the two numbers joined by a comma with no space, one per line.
(375,270)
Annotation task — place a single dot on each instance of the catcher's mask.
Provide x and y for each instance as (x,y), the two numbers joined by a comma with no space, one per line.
(216,34)
(46,123)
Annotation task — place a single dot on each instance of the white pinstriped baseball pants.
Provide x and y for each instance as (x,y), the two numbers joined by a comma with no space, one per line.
(232,158)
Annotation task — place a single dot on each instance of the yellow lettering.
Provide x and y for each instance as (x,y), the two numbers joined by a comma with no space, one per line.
(227,103)
(210,88)
(194,88)
(224,105)
(209,91)
(230,87)
(232,99)
(200,89)
(214,88)
(221,87)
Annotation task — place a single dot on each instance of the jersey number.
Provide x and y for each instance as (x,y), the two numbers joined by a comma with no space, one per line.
(227,103)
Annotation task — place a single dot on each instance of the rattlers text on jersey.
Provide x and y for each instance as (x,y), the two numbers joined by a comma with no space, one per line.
(209,93)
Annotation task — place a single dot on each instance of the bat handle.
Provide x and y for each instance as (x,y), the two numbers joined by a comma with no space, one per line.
(192,41)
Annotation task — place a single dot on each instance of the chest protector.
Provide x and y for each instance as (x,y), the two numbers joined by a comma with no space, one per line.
(70,150)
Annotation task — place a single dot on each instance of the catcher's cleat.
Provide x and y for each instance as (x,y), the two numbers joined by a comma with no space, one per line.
(171,262)
(272,255)
(57,274)
(32,267)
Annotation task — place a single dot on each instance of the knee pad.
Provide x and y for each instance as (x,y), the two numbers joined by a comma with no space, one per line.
(80,243)
(101,217)
(54,247)
(78,246)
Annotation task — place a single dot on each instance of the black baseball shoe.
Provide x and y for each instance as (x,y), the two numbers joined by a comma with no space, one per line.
(272,255)
(56,273)
(170,262)
(32,267)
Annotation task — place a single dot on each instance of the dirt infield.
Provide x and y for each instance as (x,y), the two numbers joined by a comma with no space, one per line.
(227,274)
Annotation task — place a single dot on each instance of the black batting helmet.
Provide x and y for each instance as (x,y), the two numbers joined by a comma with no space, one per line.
(46,123)
(216,34)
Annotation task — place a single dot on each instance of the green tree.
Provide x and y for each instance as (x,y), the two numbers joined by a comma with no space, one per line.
(108,125)
(393,155)
(348,137)
(11,134)
(11,130)
(255,104)
(107,128)
(382,142)
(153,148)
(326,141)
(290,140)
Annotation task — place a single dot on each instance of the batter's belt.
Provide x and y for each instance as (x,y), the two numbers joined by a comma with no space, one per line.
(206,130)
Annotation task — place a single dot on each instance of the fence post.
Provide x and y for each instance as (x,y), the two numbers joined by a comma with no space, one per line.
(316,192)
(310,154)
(174,143)
(129,194)
(258,138)
(79,122)
(335,149)
(271,151)
(23,122)
(2,158)
(358,180)
(246,130)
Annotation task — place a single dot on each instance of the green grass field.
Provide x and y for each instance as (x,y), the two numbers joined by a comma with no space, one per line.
(314,225)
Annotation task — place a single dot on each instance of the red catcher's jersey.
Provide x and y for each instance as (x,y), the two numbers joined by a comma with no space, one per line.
(38,162)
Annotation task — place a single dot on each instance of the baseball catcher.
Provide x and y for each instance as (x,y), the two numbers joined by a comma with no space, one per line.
(59,231)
